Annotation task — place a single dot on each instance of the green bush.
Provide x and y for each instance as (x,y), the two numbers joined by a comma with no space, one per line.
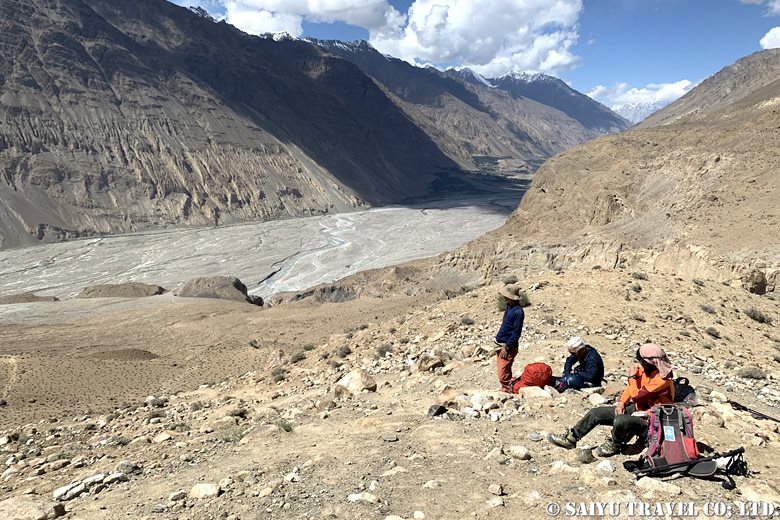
(466,320)
(344,351)
(639,275)
(285,425)
(309,347)
(297,357)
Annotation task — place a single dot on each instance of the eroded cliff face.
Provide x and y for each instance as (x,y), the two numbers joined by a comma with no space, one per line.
(115,117)
(696,197)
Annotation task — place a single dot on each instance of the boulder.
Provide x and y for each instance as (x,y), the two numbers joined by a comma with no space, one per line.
(428,363)
(121,290)
(219,287)
(357,381)
(26,297)
(30,508)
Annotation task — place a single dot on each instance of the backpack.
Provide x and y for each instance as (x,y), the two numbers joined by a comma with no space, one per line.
(685,393)
(534,374)
(670,442)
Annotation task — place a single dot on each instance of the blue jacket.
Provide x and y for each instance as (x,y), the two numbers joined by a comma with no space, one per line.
(591,368)
(511,326)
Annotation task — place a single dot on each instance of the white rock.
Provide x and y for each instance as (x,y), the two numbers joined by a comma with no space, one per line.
(419,515)
(651,484)
(60,492)
(162,437)
(115,477)
(30,508)
(606,466)
(74,492)
(395,471)
(94,479)
(596,399)
(358,380)
(495,502)
(519,452)
(205,490)
(363,497)
(561,467)
(431,484)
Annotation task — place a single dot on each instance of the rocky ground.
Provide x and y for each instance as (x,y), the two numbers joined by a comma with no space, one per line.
(335,423)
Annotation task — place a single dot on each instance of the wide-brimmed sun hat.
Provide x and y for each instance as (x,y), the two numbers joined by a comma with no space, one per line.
(510,291)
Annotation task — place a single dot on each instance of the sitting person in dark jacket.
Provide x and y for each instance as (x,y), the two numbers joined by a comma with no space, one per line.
(649,383)
(583,368)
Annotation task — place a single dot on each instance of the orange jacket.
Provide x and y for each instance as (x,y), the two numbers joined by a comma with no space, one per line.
(645,391)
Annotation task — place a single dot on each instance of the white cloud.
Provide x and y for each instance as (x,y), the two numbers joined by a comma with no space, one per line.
(771,39)
(491,37)
(621,94)
(772,6)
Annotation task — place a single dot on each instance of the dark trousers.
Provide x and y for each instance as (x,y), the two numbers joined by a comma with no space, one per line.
(624,426)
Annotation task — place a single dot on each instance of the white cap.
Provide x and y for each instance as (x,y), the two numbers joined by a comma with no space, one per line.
(575,343)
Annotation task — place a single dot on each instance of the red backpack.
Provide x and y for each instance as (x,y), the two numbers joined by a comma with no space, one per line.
(534,374)
(670,437)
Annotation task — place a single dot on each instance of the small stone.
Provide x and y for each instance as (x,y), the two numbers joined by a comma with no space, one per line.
(265,492)
(495,502)
(419,515)
(496,489)
(605,466)
(162,437)
(534,392)
(596,399)
(436,410)
(159,509)
(74,492)
(431,484)
(94,479)
(177,495)
(394,471)
(391,437)
(127,467)
(584,455)
(363,497)
(205,490)
(519,452)
(535,437)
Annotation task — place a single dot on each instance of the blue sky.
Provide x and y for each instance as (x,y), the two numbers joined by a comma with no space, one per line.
(618,51)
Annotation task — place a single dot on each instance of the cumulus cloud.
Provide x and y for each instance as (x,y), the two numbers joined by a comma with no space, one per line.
(491,37)
(622,94)
(771,39)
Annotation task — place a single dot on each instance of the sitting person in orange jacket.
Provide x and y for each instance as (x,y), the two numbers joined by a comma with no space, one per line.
(649,383)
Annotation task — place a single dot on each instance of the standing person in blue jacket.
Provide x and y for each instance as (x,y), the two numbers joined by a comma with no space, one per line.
(509,335)
(584,366)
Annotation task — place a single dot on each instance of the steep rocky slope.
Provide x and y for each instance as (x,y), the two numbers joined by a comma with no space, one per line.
(720,90)
(469,117)
(119,116)
(556,93)
(697,196)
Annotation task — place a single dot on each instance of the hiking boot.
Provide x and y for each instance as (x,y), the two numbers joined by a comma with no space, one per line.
(608,448)
(564,440)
